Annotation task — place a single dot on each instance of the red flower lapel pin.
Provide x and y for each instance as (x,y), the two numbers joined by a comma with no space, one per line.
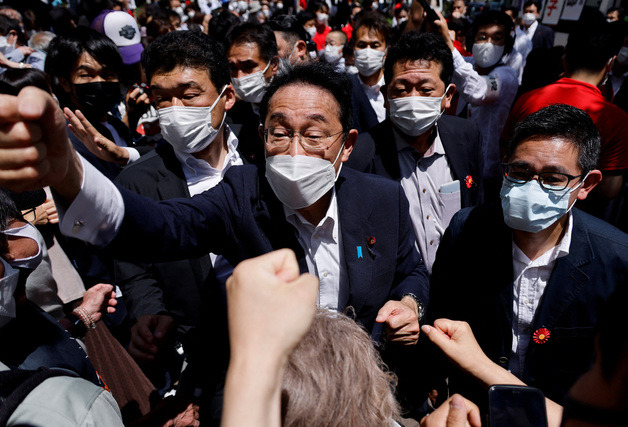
(541,336)
(469,181)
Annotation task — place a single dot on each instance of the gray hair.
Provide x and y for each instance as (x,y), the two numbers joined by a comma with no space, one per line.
(41,40)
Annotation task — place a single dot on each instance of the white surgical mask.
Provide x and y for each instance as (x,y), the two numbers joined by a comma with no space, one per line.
(251,88)
(311,31)
(332,54)
(26,231)
(369,61)
(5,47)
(415,115)
(529,207)
(299,181)
(528,18)
(322,18)
(8,284)
(487,54)
(189,129)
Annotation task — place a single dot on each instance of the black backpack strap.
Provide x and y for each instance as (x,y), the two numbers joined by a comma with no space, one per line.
(16,384)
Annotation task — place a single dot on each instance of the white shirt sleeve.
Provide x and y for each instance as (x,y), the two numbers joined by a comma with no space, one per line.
(476,89)
(96,214)
(133,154)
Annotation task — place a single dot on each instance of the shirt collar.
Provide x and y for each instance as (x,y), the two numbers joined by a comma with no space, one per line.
(558,251)
(435,148)
(194,166)
(374,90)
(532,28)
(329,221)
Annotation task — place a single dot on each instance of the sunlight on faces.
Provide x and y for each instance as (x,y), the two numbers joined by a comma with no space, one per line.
(418,78)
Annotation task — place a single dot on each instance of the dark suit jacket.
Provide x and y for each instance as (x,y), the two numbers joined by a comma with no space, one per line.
(543,37)
(480,291)
(364,117)
(241,218)
(173,287)
(376,152)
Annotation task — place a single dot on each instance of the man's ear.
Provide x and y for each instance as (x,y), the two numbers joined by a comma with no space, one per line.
(592,180)
(274,65)
(65,85)
(384,91)
(301,50)
(260,130)
(449,95)
(230,97)
(350,140)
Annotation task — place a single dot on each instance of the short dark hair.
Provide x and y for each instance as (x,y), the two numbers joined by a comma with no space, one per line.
(260,34)
(289,27)
(65,51)
(415,46)
(565,122)
(537,3)
(304,16)
(19,78)
(190,49)
(591,44)
(514,10)
(9,24)
(315,5)
(221,23)
(374,21)
(493,17)
(321,75)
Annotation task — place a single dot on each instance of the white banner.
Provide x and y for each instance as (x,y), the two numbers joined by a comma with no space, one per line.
(573,10)
(553,8)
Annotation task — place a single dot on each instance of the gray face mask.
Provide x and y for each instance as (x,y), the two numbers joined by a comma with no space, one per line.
(30,232)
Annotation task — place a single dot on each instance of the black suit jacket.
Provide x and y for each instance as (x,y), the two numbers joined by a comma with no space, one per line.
(543,37)
(376,152)
(479,290)
(364,117)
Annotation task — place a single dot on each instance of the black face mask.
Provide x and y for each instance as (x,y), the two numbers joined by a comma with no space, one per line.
(97,98)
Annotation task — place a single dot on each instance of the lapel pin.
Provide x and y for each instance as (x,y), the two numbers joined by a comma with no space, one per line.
(468,181)
(541,336)
(370,241)
(359,248)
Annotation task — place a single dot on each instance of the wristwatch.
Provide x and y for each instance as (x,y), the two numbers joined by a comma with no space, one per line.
(419,305)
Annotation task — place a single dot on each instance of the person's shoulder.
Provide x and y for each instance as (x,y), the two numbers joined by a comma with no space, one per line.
(368,181)
(147,166)
(456,123)
(599,229)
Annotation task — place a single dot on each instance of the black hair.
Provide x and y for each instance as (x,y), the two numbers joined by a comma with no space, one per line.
(565,122)
(61,20)
(19,78)
(493,17)
(186,49)
(314,5)
(220,25)
(512,9)
(400,9)
(414,46)
(64,53)
(620,12)
(376,22)
(8,211)
(289,27)
(9,24)
(320,75)
(260,34)
(537,3)
(591,44)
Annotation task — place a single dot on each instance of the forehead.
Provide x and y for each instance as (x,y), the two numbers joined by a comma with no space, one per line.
(181,76)
(241,52)
(335,36)
(491,29)
(369,34)
(419,69)
(547,153)
(458,4)
(313,101)
(532,8)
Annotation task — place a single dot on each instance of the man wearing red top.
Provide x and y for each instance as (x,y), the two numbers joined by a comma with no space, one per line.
(588,59)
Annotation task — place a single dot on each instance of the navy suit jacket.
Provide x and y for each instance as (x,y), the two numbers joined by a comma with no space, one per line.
(543,37)
(241,218)
(376,152)
(364,117)
(480,291)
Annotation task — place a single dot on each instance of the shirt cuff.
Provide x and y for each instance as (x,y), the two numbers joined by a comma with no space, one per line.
(96,214)
(133,154)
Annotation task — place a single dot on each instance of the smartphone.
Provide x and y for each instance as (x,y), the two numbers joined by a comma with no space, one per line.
(516,406)
(431,15)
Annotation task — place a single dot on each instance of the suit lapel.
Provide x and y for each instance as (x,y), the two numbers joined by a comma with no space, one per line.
(355,229)
(455,153)
(385,145)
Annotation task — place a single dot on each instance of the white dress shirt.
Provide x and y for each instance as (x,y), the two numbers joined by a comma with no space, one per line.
(323,248)
(532,29)
(375,97)
(530,279)
(488,100)
(430,208)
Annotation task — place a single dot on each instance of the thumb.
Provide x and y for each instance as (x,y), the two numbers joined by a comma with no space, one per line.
(384,312)
(440,339)
(457,412)
(36,105)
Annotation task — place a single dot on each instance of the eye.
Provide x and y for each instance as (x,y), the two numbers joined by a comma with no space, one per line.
(278,133)
(314,135)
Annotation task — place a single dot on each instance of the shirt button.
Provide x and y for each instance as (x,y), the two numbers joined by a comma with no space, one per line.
(503,360)
(77,226)
(526,301)
(325,274)
(428,217)
(424,190)
(431,242)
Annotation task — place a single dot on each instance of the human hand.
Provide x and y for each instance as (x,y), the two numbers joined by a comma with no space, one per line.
(94,141)
(26,51)
(187,418)
(457,341)
(51,211)
(270,305)
(137,102)
(97,299)
(440,26)
(148,334)
(401,321)
(34,147)
(454,412)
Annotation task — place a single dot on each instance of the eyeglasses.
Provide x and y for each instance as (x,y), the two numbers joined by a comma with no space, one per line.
(553,181)
(311,140)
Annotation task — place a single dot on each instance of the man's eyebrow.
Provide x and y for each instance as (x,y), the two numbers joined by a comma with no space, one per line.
(277,115)
(550,168)
(191,84)
(318,118)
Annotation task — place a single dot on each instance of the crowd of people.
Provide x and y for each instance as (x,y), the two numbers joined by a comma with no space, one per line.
(319,212)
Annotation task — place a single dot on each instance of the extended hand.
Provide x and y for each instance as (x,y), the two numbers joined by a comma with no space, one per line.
(148,335)
(401,320)
(98,299)
(454,412)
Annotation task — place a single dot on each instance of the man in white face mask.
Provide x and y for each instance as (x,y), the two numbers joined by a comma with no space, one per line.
(350,229)
(487,87)
(532,274)
(189,80)
(541,35)
(370,37)
(437,158)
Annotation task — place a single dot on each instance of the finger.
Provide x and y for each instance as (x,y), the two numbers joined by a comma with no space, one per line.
(457,412)
(162,327)
(86,123)
(19,134)
(9,109)
(307,285)
(401,318)
(385,311)
(438,337)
